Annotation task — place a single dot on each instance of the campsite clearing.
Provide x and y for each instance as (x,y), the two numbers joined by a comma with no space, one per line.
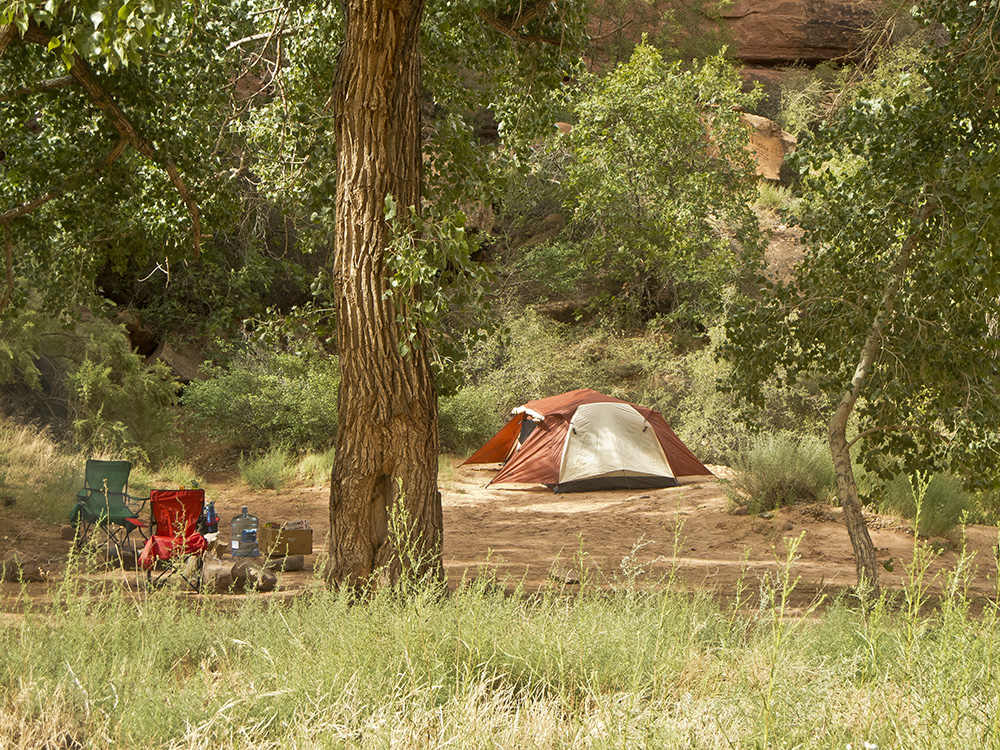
(527,536)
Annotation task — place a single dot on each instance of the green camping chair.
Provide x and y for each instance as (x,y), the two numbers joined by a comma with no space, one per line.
(104,503)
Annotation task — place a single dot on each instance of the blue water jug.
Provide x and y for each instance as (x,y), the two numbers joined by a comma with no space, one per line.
(243,537)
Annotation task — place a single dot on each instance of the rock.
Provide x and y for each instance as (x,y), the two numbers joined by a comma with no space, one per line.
(67,532)
(286,564)
(140,336)
(248,576)
(547,230)
(565,311)
(184,361)
(17,567)
(776,32)
(564,575)
(740,511)
(770,144)
(787,526)
(113,556)
(217,575)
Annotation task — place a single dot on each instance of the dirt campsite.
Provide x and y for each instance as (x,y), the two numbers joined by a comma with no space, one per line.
(532,539)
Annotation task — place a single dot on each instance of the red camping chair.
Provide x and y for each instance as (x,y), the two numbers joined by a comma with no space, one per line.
(174,541)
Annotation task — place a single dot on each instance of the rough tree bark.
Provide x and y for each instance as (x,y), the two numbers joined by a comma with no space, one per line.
(387,444)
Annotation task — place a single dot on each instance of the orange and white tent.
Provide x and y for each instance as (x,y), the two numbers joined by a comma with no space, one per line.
(583,440)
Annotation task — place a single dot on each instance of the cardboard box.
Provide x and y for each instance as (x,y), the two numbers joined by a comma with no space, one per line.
(278,542)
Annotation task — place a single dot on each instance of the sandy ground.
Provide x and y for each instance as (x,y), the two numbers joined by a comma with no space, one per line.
(529,537)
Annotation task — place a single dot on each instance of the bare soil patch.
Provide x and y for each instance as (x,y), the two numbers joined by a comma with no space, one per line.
(530,538)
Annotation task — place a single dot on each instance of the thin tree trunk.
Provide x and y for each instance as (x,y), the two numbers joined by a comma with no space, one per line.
(840,448)
(847,487)
(387,442)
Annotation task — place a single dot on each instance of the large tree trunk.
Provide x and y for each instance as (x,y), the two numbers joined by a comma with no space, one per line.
(387,443)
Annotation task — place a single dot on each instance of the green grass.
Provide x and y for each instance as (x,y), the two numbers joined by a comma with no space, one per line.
(481,669)
(943,506)
(774,197)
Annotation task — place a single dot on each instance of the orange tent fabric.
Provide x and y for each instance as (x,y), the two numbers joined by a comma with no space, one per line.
(539,457)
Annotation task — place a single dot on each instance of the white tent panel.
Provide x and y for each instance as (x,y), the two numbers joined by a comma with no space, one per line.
(606,438)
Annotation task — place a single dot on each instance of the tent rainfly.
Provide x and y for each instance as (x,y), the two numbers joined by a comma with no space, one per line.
(583,440)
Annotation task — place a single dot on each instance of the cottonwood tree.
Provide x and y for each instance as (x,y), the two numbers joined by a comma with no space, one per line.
(894,309)
(387,440)
(109,136)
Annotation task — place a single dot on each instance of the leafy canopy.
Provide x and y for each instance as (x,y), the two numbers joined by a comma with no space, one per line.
(901,188)
(658,186)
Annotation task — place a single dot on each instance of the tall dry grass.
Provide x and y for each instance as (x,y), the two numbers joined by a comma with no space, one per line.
(479,668)
(38,476)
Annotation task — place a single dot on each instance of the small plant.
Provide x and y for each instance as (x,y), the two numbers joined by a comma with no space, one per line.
(779,470)
(316,467)
(774,197)
(631,569)
(943,502)
(267,472)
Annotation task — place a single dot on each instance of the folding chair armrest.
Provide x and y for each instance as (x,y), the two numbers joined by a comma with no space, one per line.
(136,503)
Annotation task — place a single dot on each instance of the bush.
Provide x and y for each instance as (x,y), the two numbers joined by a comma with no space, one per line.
(264,399)
(468,419)
(267,472)
(536,357)
(658,222)
(941,509)
(120,405)
(83,381)
(783,469)
(316,467)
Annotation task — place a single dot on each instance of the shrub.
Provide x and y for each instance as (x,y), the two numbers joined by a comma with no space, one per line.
(316,467)
(120,405)
(716,425)
(783,469)
(944,502)
(264,399)
(267,472)
(468,419)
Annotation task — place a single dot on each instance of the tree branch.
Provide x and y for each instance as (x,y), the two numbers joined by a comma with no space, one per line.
(6,36)
(268,35)
(27,208)
(83,75)
(47,85)
(897,428)
(9,259)
(510,24)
